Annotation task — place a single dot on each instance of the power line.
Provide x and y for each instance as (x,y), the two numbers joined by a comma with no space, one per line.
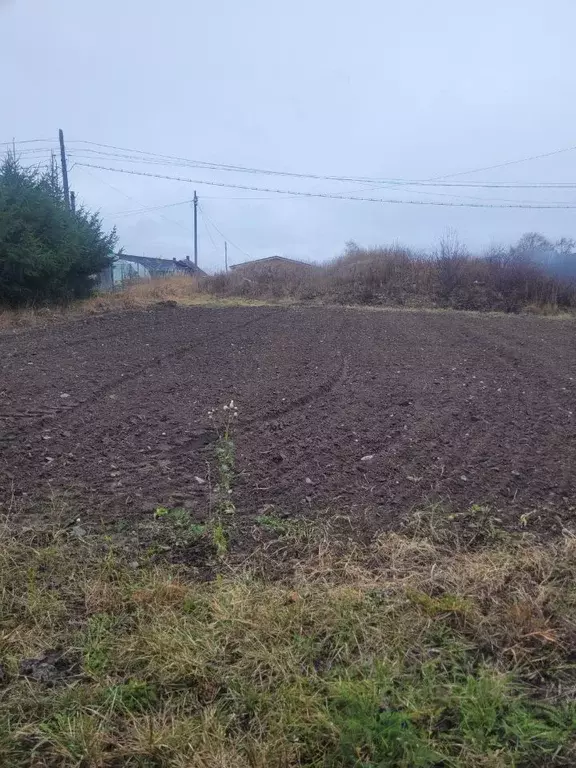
(140,156)
(129,197)
(417,191)
(206,227)
(25,141)
(37,150)
(151,208)
(226,239)
(275,198)
(329,195)
(515,185)
(89,154)
(372,183)
(188,201)
(159,159)
(503,165)
(149,157)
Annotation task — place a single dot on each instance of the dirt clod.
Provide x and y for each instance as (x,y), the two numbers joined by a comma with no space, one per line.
(48,669)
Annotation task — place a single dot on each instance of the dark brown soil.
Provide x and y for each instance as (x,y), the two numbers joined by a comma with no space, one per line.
(365,414)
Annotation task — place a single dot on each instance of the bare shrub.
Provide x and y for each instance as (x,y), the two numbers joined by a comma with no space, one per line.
(276,281)
(503,279)
(522,282)
(452,267)
(368,276)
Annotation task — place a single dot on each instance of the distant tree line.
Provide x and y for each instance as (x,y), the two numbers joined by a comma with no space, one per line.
(47,252)
(556,257)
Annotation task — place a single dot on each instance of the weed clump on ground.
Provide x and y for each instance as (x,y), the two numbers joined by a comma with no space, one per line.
(404,653)
(223,421)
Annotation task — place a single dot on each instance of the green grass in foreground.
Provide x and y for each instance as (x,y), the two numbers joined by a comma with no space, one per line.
(406,654)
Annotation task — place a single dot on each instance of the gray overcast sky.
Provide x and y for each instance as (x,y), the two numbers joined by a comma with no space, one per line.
(411,89)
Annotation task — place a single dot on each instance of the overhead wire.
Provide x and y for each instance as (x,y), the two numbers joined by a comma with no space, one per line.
(133,155)
(417,191)
(226,239)
(136,155)
(206,227)
(150,209)
(25,141)
(329,195)
(191,200)
(382,184)
(129,197)
(139,156)
(503,165)
(275,198)
(36,150)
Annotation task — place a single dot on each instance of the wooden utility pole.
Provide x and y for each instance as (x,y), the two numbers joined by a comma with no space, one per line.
(64,168)
(54,179)
(73,202)
(226,255)
(195,229)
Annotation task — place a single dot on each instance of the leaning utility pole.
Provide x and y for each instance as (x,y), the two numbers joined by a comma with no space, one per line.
(73,202)
(195,229)
(226,255)
(64,169)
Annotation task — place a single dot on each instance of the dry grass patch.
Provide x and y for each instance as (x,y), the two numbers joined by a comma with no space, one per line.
(405,653)
(142,293)
(179,290)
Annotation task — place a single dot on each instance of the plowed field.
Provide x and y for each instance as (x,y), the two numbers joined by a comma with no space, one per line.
(365,414)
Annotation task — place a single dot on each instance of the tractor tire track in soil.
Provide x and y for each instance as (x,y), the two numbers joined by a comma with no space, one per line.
(366,414)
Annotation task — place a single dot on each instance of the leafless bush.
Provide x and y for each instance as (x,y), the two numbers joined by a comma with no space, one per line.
(268,281)
(502,279)
(452,266)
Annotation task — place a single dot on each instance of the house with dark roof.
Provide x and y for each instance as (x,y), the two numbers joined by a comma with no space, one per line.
(154,267)
(127,267)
